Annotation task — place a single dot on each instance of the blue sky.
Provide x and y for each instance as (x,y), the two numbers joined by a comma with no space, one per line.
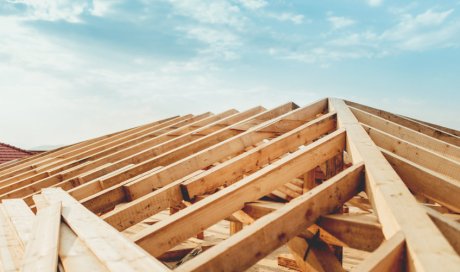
(72,69)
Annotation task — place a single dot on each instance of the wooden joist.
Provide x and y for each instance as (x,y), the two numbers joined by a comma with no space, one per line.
(393,203)
(214,192)
(271,231)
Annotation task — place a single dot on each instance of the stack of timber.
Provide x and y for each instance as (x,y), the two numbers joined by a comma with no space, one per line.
(331,186)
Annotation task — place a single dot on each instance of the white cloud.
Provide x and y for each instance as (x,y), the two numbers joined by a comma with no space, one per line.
(253,4)
(211,12)
(102,7)
(340,22)
(222,44)
(288,17)
(425,30)
(54,10)
(374,3)
(64,10)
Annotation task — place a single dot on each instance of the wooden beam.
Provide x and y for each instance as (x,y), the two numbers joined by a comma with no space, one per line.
(229,172)
(388,194)
(160,237)
(271,231)
(224,149)
(449,228)
(414,153)
(407,134)
(97,202)
(421,180)
(21,217)
(11,246)
(311,253)
(109,246)
(222,174)
(74,255)
(388,257)
(107,160)
(41,253)
(360,231)
(432,132)
(192,157)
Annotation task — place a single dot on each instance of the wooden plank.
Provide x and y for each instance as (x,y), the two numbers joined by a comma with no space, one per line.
(41,253)
(160,237)
(311,253)
(91,160)
(11,246)
(28,163)
(228,172)
(407,134)
(102,201)
(421,180)
(362,232)
(388,194)
(271,231)
(114,250)
(414,153)
(388,257)
(445,129)
(449,228)
(75,256)
(432,132)
(91,153)
(222,174)
(21,217)
(221,150)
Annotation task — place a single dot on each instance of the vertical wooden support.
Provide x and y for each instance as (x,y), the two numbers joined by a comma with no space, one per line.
(309,180)
(334,166)
(235,227)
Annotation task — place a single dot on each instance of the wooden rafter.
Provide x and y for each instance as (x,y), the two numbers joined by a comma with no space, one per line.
(362,189)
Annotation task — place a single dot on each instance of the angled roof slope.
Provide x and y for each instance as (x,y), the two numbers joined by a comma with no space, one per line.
(320,179)
(9,153)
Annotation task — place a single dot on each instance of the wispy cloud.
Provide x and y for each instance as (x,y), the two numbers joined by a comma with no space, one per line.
(253,4)
(340,22)
(211,12)
(222,44)
(375,3)
(288,17)
(422,31)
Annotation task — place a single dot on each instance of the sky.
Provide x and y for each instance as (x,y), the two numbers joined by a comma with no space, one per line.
(73,69)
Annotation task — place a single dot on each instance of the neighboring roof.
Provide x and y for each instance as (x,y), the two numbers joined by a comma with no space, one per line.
(318,181)
(9,153)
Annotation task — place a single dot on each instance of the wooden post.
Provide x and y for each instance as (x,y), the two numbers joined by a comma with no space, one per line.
(235,227)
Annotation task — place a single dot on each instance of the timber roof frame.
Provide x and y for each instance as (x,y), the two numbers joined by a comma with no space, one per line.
(258,168)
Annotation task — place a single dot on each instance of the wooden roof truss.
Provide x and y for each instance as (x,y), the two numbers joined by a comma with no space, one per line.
(331,175)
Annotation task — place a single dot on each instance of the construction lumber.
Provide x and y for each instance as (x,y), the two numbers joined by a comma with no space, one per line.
(437,187)
(21,217)
(223,174)
(271,231)
(388,257)
(388,195)
(115,251)
(414,153)
(100,202)
(407,134)
(420,127)
(41,253)
(449,228)
(169,232)
(220,192)
(11,246)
